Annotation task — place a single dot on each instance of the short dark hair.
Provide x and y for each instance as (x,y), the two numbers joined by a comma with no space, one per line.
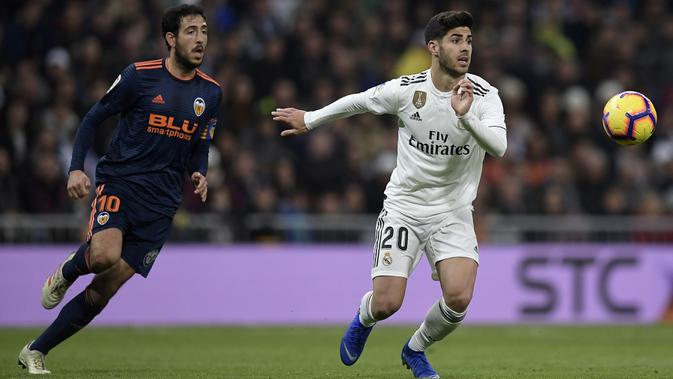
(170,22)
(441,23)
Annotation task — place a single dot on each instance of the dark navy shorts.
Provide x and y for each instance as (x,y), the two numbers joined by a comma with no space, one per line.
(144,230)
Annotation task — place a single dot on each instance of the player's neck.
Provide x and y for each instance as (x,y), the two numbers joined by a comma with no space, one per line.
(177,70)
(441,79)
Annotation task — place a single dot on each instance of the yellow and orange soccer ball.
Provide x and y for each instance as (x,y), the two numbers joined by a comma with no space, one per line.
(629,118)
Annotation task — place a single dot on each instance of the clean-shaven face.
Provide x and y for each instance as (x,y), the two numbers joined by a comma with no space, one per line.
(191,41)
(455,51)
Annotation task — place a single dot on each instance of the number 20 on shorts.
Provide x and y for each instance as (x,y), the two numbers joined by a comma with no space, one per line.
(402,238)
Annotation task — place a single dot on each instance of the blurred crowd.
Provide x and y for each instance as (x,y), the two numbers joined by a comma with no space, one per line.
(554,62)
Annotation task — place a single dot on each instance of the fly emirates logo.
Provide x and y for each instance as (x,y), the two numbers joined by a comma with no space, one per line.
(166,126)
(438,145)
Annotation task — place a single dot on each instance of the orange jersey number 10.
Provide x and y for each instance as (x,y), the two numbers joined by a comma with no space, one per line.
(109,203)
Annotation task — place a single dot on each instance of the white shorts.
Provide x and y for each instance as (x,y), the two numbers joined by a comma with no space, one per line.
(400,239)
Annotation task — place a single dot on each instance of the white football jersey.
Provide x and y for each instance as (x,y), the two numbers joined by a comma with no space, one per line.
(439,163)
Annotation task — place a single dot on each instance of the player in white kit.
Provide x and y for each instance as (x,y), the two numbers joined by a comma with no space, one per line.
(448,120)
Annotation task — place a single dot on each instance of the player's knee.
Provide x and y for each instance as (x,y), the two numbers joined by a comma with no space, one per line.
(101,258)
(384,307)
(458,301)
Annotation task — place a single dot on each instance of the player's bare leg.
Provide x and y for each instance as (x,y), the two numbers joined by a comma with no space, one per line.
(106,249)
(457,277)
(106,284)
(379,304)
(387,296)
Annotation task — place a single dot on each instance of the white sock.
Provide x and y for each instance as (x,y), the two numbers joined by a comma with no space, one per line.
(439,323)
(366,317)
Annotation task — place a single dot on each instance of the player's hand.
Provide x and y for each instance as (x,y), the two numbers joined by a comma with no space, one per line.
(293,117)
(201,184)
(78,184)
(462,97)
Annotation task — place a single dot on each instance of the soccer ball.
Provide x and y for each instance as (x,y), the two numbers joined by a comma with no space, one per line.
(629,118)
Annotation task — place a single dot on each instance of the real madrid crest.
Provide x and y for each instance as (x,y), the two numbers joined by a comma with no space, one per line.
(387,259)
(199,106)
(419,99)
(102,218)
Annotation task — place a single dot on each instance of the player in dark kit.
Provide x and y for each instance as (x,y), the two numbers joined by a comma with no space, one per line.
(169,109)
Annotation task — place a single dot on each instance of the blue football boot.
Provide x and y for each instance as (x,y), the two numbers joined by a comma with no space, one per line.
(418,363)
(353,341)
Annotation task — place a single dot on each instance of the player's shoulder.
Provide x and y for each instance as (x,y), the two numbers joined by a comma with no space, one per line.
(145,70)
(481,86)
(208,79)
(410,80)
(213,86)
(148,66)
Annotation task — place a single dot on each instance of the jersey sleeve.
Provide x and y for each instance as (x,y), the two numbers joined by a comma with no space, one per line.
(384,98)
(378,100)
(491,111)
(120,97)
(123,93)
(487,124)
(199,159)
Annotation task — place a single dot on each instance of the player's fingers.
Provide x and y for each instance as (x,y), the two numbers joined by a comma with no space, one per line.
(283,118)
(204,195)
(293,132)
(71,193)
(76,193)
(81,191)
(85,189)
(282,111)
(466,85)
(197,178)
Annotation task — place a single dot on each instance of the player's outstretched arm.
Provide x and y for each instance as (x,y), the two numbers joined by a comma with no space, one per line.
(302,121)
(294,118)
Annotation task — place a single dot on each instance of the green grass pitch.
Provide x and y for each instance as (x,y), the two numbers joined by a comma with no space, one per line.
(312,352)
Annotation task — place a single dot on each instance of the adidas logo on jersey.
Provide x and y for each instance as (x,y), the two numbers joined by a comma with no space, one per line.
(158,99)
(416,117)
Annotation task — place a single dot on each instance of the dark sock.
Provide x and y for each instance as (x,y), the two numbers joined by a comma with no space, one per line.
(73,317)
(77,265)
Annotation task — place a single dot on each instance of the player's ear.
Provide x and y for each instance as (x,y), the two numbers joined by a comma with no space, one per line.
(433,48)
(170,39)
